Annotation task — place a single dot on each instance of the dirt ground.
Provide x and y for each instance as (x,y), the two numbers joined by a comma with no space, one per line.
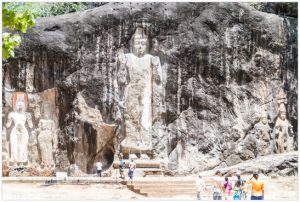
(275,189)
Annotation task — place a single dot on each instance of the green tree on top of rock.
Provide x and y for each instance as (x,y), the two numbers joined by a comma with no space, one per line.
(16,17)
(21,16)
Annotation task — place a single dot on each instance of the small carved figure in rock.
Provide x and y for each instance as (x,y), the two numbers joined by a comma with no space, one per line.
(281,97)
(19,134)
(175,157)
(283,132)
(263,135)
(257,69)
(47,141)
(138,88)
(33,156)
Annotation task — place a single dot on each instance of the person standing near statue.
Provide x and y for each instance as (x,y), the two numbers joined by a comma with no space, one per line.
(121,166)
(132,167)
(99,168)
(258,190)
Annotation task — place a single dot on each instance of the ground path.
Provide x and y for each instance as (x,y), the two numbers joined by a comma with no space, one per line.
(283,188)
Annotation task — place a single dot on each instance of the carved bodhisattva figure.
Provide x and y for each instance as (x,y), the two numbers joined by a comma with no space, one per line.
(47,142)
(175,157)
(263,135)
(284,132)
(19,134)
(138,87)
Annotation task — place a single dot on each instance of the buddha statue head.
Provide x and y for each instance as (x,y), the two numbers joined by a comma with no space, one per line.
(20,106)
(139,42)
(20,101)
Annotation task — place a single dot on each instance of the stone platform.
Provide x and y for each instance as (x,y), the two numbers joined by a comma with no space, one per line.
(144,167)
(67,180)
(140,163)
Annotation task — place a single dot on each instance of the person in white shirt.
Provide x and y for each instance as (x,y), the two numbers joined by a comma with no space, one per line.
(218,186)
(99,168)
(200,184)
(132,167)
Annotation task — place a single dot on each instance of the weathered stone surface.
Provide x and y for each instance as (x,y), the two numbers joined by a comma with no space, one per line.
(5,154)
(283,164)
(233,159)
(92,137)
(30,171)
(74,171)
(222,64)
(279,8)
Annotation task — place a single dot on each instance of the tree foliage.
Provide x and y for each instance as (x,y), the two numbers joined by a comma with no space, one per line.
(19,17)
(22,16)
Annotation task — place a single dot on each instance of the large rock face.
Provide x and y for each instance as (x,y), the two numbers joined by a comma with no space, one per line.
(271,165)
(223,64)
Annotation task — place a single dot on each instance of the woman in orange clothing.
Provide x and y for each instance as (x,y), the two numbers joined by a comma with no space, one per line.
(257,188)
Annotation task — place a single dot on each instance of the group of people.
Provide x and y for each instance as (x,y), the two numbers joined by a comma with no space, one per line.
(122,165)
(224,189)
(131,168)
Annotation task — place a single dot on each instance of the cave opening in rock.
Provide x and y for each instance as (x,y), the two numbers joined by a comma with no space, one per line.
(106,157)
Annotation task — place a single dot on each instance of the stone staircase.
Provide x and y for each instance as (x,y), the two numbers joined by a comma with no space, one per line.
(167,187)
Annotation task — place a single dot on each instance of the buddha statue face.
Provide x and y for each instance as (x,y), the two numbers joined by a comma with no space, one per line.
(139,45)
(20,106)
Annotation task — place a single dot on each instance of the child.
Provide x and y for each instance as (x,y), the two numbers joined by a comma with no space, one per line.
(236,195)
(244,190)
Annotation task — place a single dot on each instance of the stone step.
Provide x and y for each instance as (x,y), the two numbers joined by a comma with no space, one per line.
(169,194)
(153,172)
(165,183)
(140,163)
(140,172)
(171,189)
(168,187)
(160,186)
